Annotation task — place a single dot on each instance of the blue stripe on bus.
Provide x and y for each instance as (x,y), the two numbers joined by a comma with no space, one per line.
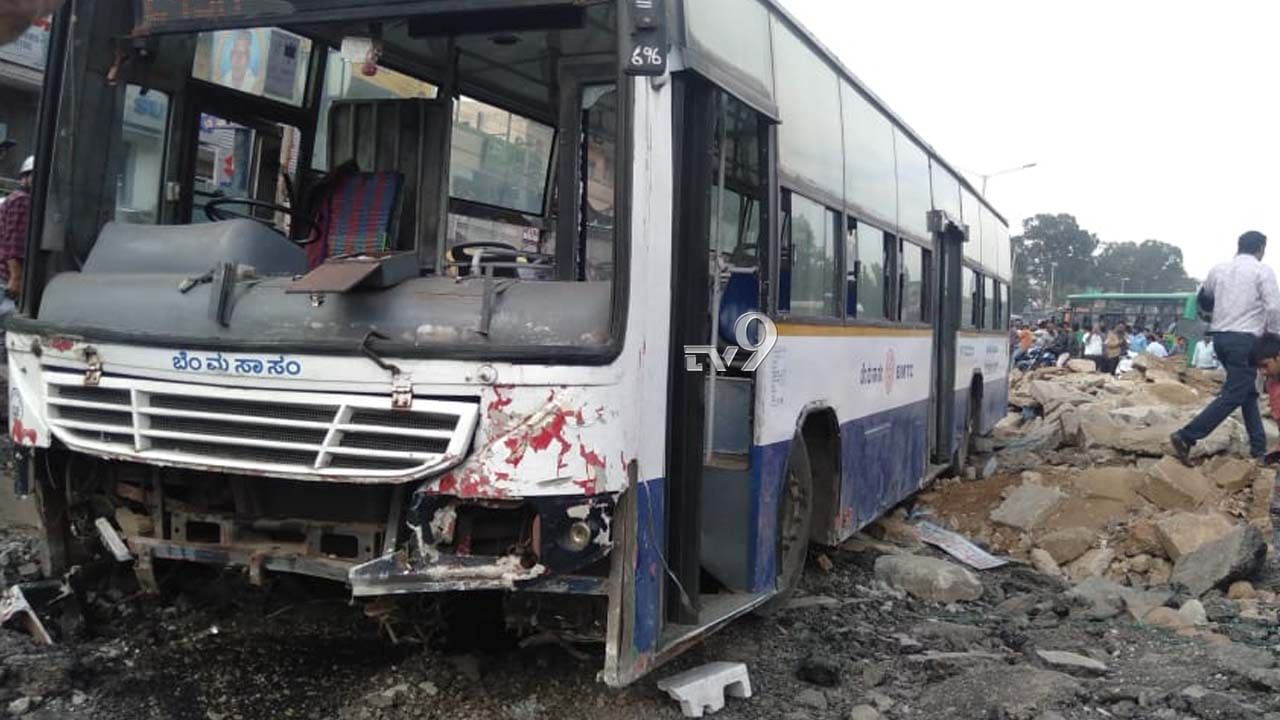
(651,538)
(883,461)
(883,458)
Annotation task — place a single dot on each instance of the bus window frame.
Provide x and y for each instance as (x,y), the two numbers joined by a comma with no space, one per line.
(56,117)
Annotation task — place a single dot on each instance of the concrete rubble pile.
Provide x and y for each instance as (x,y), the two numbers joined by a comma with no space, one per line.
(1078,482)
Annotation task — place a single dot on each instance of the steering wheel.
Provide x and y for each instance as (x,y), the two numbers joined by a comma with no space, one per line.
(215,212)
(489,251)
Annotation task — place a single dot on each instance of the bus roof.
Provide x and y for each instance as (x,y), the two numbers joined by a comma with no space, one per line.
(196,15)
(835,62)
(1131,296)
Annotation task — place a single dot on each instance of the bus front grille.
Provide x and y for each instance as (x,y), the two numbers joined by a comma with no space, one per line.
(293,434)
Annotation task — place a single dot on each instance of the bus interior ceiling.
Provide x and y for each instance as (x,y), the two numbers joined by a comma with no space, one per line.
(548,69)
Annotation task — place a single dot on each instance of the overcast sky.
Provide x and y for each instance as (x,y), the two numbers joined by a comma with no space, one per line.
(1148,119)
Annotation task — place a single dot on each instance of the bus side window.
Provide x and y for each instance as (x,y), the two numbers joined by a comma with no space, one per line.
(912,282)
(808,284)
(968,297)
(866,288)
(989,304)
(144,135)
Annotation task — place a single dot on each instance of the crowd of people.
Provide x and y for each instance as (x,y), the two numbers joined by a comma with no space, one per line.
(1056,343)
(1243,299)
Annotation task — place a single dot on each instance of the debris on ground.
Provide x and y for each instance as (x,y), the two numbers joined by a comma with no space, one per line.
(703,689)
(1111,585)
(1087,478)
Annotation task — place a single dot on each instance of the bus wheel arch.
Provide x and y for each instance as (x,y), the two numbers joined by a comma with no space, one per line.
(820,430)
(972,421)
(800,483)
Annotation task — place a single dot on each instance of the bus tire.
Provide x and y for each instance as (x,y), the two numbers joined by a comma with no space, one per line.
(795,516)
(965,450)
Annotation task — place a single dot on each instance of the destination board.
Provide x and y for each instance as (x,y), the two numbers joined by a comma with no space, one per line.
(161,16)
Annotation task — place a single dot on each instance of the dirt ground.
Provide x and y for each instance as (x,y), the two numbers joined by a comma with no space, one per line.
(215,649)
(853,644)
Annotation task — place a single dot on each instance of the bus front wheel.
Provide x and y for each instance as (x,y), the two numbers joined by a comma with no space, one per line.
(795,516)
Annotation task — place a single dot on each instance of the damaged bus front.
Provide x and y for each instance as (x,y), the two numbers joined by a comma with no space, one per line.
(341,291)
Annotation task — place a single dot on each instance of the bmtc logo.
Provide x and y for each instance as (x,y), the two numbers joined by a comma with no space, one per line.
(890,371)
(768,338)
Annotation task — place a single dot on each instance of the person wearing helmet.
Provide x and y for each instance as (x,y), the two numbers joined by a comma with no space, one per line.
(14,218)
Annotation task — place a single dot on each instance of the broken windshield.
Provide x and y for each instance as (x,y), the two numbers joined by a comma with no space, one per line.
(304,145)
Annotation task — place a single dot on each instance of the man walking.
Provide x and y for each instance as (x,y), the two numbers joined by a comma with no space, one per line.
(1246,305)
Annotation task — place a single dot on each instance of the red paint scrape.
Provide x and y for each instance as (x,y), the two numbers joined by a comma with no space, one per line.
(594,463)
(500,402)
(61,344)
(516,448)
(23,435)
(553,430)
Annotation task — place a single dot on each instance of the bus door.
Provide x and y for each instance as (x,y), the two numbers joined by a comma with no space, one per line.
(721,215)
(949,237)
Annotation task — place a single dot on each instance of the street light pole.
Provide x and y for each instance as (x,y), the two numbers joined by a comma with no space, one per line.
(987,177)
(1053,277)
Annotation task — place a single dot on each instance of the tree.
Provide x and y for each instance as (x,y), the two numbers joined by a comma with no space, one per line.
(1055,250)
(1151,266)
(1052,249)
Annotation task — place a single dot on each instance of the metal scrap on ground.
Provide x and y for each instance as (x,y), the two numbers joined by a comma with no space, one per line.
(958,547)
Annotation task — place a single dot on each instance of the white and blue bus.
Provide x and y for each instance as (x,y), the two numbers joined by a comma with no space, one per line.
(411,294)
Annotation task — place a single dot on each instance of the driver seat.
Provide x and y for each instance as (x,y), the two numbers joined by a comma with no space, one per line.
(356,215)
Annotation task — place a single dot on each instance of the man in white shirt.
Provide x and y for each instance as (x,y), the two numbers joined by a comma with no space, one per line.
(1204,357)
(1156,348)
(1246,306)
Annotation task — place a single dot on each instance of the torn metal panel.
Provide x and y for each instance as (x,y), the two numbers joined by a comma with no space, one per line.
(331,569)
(14,606)
(112,540)
(397,574)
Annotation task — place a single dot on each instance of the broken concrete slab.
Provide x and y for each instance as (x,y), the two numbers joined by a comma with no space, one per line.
(895,529)
(1102,599)
(1193,611)
(1182,533)
(1240,555)
(949,636)
(1054,395)
(1082,366)
(1044,563)
(1068,544)
(1167,618)
(1113,483)
(927,578)
(1230,474)
(1241,590)
(1169,393)
(1264,491)
(1071,662)
(1027,506)
(1093,563)
(1170,485)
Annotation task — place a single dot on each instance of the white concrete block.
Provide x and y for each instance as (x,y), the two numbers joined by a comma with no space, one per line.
(703,688)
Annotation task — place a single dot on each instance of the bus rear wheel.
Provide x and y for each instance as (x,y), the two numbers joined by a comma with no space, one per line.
(795,516)
(965,451)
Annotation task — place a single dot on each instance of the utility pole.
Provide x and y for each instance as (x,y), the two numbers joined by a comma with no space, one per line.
(987,177)
(1053,276)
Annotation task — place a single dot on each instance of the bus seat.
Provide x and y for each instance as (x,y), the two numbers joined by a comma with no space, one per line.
(356,216)
(740,296)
